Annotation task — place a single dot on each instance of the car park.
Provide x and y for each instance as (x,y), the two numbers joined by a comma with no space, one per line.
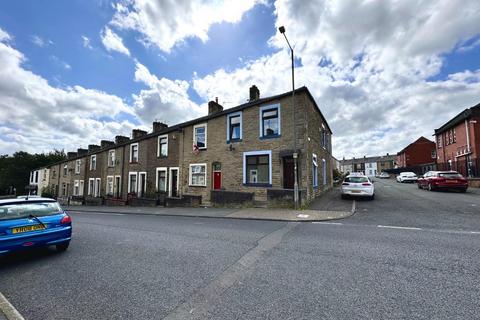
(407,177)
(33,222)
(358,186)
(443,180)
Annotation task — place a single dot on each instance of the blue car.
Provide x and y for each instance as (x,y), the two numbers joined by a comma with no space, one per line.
(33,222)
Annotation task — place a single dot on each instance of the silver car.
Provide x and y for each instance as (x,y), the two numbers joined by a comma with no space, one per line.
(358,186)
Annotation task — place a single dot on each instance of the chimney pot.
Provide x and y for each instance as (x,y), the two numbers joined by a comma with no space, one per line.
(81,151)
(93,147)
(106,143)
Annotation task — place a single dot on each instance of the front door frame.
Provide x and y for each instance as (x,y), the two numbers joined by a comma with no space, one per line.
(170,180)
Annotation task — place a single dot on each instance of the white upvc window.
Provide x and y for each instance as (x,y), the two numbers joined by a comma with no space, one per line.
(270,121)
(198,175)
(257,167)
(91,186)
(234,127)
(36,176)
(132,182)
(134,152)
(65,169)
(161,179)
(200,136)
(117,187)
(111,158)
(142,184)
(162,146)
(80,190)
(78,163)
(314,170)
(324,172)
(109,189)
(97,187)
(76,188)
(93,162)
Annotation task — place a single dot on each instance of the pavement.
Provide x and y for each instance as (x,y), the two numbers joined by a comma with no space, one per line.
(411,254)
(324,209)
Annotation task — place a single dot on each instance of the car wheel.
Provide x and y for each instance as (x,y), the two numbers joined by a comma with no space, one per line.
(62,246)
(430,188)
(344,196)
(463,190)
(372,197)
(419,186)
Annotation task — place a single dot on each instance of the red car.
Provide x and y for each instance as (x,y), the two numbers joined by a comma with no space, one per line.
(445,180)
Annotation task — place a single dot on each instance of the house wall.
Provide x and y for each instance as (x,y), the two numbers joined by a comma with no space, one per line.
(417,154)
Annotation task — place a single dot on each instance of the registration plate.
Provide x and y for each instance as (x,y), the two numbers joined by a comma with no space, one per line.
(451,181)
(355,191)
(22,229)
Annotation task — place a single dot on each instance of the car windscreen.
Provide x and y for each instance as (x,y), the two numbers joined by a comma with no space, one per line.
(356,179)
(408,174)
(449,175)
(24,209)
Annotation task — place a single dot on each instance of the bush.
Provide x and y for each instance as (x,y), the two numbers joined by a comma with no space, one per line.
(48,192)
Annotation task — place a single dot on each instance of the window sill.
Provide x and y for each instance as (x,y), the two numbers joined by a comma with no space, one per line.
(234,141)
(191,185)
(267,185)
(133,162)
(162,157)
(273,136)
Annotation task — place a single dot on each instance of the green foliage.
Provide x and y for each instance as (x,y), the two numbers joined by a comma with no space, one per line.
(337,175)
(48,192)
(15,169)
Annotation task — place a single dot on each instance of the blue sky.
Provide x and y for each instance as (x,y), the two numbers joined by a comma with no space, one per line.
(82,71)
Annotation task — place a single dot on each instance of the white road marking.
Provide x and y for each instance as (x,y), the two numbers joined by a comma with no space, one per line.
(8,309)
(326,222)
(303,216)
(396,227)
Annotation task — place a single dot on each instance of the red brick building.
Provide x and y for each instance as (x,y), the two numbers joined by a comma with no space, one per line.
(458,143)
(419,153)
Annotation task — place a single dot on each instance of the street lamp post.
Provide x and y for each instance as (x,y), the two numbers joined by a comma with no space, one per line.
(295,154)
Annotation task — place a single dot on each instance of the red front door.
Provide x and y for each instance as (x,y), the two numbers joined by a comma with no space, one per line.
(217,180)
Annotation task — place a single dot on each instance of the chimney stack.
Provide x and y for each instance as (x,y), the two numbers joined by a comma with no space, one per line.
(159,126)
(93,147)
(214,107)
(121,139)
(254,93)
(71,155)
(105,144)
(81,152)
(137,133)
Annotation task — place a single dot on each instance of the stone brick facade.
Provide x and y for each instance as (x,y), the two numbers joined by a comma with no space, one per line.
(227,156)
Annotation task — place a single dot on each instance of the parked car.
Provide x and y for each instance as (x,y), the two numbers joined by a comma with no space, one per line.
(407,177)
(384,175)
(447,180)
(33,222)
(357,185)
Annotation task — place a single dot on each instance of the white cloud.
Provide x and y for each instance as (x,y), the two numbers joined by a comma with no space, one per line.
(38,41)
(4,36)
(86,43)
(168,23)
(368,65)
(165,100)
(113,42)
(38,117)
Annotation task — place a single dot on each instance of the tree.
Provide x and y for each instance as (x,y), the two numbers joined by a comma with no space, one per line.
(15,169)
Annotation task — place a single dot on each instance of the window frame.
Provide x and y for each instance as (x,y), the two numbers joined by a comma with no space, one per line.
(257,153)
(129,186)
(229,117)
(78,164)
(314,170)
(76,187)
(93,160)
(204,125)
(157,170)
(81,187)
(98,187)
(65,170)
(112,163)
(279,119)
(159,153)
(91,187)
(131,152)
(190,175)
(107,191)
